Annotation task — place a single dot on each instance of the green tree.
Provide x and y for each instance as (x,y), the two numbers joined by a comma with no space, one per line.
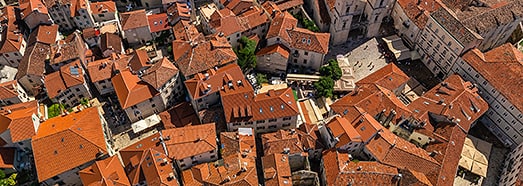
(332,70)
(55,110)
(84,102)
(324,87)
(245,53)
(9,181)
(261,78)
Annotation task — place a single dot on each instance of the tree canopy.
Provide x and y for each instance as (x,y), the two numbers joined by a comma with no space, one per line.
(11,180)
(324,87)
(332,70)
(245,53)
(261,78)
(55,110)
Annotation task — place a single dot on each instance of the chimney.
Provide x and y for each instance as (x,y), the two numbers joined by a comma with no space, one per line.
(286,150)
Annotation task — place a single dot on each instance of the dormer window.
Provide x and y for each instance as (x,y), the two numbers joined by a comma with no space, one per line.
(303,40)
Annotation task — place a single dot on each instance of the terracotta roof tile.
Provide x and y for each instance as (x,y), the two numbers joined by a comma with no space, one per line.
(179,10)
(282,22)
(7,157)
(33,62)
(243,106)
(88,33)
(343,130)
(12,36)
(455,27)
(8,89)
(414,178)
(180,115)
(461,103)
(199,85)
(100,70)
(160,73)
(45,34)
(238,166)
(111,41)
(289,4)
(73,47)
(134,19)
(340,170)
(70,75)
(185,31)
(277,142)
(306,40)
(103,7)
(309,136)
(190,140)
(146,161)
(28,6)
(20,121)
(373,99)
(389,77)
(65,142)
(282,169)
(139,60)
(158,22)
(105,172)
(277,48)
(418,11)
(502,67)
(131,90)
(198,57)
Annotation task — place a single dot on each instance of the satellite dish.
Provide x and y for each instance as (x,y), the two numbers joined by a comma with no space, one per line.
(129,7)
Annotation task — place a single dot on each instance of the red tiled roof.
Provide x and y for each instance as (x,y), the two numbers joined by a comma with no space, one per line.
(179,10)
(340,170)
(414,178)
(190,140)
(146,161)
(276,142)
(243,106)
(281,22)
(199,85)
(194,57)
(343,130)
(73,47)
(65,142)
(276,169)
(103,7)
(389,77)
(20,121)
(13,37)
(180,115)
(130,90)
(108,172)
(160,73)
(309,136)
(373,99)
(134,19)
(7,157)
(45,34)
(8,89)
(306,40)
(59,81)
(158,22)
(418,11)
(238,6)
(28,6)
(462,107)
(288,4)
(139,60)
(502,67)
(100,69)
(185,31)
(33,62)
(239,163)
(111,41)
(277,48)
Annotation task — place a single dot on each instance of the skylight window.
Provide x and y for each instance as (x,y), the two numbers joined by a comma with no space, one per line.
(281,106)
(261,110)
(272,109)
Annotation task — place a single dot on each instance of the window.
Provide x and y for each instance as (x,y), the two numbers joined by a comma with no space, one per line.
(236,124)
(153,105)
(304,61)
(260,128)
(286,118)
(286,124)
(306,53)
(295,60)
(249,123)
(272,126)
(212,157)
(272,120)
(77,89)
(260,121)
